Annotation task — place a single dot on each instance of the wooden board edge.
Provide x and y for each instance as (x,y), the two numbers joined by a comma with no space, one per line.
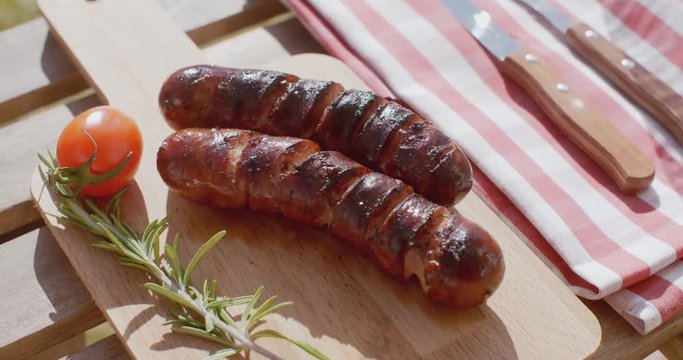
(571,301)
(37,178)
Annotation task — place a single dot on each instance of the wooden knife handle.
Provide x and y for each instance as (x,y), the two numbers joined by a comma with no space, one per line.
(655,96)
(580,121)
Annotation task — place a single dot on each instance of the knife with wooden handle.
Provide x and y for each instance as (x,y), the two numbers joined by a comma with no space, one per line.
(583,123)
(652,94)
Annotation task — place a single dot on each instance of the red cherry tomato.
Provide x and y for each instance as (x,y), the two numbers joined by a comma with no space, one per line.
(115,135)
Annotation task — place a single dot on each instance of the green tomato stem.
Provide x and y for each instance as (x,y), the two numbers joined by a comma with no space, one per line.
(81,176)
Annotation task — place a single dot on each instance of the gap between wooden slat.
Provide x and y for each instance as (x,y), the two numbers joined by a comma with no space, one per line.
(259,12)
(42,73)
(242,52)
(19,219)
(44,302)
(109,348)
(79,343)
(38,131)
(247,49)
(39,70)
(24,140)
(266,23)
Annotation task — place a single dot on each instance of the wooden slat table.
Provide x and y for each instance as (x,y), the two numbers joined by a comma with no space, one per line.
(43,302)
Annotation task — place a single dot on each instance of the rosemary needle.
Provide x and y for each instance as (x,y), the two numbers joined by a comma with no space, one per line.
(197,311)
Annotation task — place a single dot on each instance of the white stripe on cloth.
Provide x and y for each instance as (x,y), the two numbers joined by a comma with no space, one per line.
(665,200)
(451,64)
(648,56)
(578,290)
(621,35)
(640,313)
(666,10)
(661,196)
(400,81)
(643,314)
(674,274)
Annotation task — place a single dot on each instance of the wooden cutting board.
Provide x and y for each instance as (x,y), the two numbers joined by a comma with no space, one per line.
(344,304)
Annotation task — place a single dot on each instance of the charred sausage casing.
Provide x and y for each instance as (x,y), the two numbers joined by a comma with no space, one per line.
(457,262)
(380,134)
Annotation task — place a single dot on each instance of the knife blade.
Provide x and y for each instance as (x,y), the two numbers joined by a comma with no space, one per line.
(652,94)
(587,127)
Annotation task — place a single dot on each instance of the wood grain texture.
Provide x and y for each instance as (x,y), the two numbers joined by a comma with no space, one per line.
(344,305)
(206,20)
(39,70)
(43,301)
(619,339)
(275,42)
(642,86)
(673,349)
(581,121)
(621,342)
(109,348)
(42,73)
(38,132)
(75,343)
(17,219)
(263,45)
(24,139)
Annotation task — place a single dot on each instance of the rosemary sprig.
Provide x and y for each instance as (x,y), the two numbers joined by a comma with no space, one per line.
(197,311)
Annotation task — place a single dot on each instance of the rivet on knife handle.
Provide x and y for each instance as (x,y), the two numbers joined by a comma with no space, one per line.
(655,96)
(580,121)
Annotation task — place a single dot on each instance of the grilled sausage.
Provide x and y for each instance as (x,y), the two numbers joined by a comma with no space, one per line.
(456,261)
(380,134)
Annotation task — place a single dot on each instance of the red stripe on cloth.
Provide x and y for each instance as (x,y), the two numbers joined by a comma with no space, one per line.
(607,252)
(663,294)
(669,170)
(649,27)
(655,222)
(482,184)
(336,45)
(638,211)
(631,307)
(486,189)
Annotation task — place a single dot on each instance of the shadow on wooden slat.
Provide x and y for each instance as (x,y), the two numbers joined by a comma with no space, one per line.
(35,49)
(18,220)
(74,311)
(109,348)
(294,39)
(43,302)
(24,139)
(253,12)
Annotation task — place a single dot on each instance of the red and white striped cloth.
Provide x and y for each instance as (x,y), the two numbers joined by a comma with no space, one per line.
(601,243)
